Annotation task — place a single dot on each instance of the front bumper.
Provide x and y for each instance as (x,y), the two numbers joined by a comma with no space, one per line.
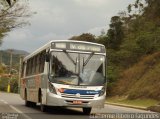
(56,100)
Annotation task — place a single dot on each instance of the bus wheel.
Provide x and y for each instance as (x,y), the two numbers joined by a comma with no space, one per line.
(42,107)
(27,103)
(87,110)
(33,104)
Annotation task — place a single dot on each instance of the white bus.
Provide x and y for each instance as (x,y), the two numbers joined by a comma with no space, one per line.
(65,73)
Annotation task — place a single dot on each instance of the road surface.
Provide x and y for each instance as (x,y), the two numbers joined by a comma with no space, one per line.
(12,107)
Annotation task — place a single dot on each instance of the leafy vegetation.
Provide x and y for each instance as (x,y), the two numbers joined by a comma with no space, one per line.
(7,77)
(5,56)
(4,81)
(137,76)
(133,35)
(85,36)
(12,16)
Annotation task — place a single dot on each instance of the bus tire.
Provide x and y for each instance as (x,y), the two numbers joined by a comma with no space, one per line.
(27,103)
(33,104)
(43,108)
(87,110)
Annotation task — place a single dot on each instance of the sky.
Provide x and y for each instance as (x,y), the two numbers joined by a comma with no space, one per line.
(62,19)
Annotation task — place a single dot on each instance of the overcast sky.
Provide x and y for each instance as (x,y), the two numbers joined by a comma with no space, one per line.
(62,19)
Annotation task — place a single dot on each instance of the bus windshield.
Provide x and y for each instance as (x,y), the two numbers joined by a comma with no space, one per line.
(77,68)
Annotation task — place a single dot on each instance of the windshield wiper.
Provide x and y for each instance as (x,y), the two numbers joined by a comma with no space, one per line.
(71,59)
(75,63)
(87,60)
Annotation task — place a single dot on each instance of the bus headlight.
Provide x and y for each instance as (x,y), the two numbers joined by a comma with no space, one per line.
(102,91)
(52,88)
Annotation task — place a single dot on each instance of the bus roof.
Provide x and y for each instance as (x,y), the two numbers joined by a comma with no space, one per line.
(48,45)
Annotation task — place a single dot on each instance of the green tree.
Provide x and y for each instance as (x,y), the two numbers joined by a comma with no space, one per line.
(13,16)
(141,28)
(115,33)
(152,10)
(84,37)
(102,39)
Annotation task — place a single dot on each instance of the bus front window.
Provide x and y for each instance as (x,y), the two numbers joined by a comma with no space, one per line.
(77,69)
(92,69)
(63,68)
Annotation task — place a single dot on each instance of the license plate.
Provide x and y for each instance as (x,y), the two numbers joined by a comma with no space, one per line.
(77,102)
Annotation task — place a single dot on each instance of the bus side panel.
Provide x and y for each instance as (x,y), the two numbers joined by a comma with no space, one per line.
(31,88)
(44,81)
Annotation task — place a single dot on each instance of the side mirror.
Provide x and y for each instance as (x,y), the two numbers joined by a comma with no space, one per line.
(47,57)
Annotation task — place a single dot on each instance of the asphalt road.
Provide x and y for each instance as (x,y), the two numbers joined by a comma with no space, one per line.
(12,107)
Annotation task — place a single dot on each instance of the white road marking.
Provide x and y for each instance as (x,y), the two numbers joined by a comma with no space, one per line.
(17,110)
(4,101)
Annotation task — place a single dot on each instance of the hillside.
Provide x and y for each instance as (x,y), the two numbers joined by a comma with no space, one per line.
(17,52)
(140,81)
(5,59)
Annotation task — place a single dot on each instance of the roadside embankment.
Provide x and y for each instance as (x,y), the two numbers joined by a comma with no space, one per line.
(143,104)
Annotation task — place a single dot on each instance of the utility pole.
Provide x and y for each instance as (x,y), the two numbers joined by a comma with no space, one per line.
(19,72)
(10,71)
(10,67)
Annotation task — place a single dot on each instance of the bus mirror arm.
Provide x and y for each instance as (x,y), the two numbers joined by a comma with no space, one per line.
(87,60)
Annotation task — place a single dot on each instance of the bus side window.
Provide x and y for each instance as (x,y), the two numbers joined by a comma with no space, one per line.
(31,66)
(37,64)
(42,61)
(27,71)
(34,64)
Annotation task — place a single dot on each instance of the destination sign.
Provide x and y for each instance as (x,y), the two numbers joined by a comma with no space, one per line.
(78,46)
(86,47)
(60,45)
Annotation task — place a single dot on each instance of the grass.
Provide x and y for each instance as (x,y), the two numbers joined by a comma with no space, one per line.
(135,102)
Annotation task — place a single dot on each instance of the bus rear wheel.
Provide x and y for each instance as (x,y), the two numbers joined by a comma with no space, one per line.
(27,103)
(33,104)
(87,110)
(43,108)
